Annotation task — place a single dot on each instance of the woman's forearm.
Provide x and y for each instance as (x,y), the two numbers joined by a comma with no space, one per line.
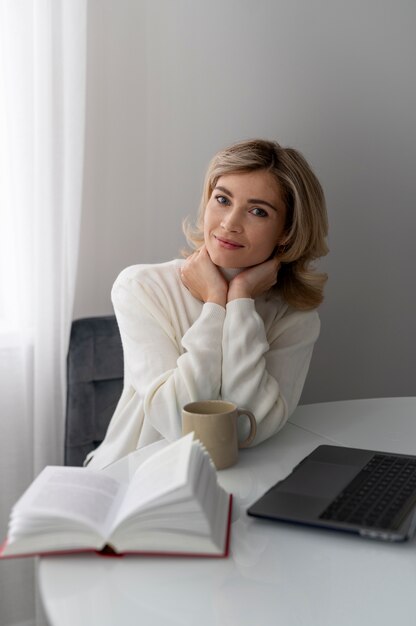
(165,370)
(265,372)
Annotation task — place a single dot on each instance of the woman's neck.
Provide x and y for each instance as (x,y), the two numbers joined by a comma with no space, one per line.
(230,272)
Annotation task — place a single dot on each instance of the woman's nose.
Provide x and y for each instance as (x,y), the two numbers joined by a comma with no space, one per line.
(232,222)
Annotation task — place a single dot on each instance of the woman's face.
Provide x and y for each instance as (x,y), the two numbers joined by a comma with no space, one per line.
(244,219)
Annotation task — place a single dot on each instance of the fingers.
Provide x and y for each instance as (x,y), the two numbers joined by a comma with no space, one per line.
(203,279)
(255,280)
(273,263)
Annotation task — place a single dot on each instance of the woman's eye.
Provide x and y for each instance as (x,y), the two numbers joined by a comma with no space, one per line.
(221,199)
(259,212)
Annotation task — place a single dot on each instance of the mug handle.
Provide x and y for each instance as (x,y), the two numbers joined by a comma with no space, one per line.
(253,429)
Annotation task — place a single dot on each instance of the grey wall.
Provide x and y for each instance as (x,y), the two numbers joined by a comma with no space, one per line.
(172,81)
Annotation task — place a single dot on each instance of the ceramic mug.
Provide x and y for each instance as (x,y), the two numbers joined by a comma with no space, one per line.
(214,423)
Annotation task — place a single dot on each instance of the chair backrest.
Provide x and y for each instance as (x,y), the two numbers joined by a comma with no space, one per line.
(94,384)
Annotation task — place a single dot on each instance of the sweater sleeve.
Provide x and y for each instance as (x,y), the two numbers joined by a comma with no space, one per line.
(263,373)
(165,369)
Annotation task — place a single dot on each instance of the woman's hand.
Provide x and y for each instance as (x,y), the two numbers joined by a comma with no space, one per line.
(203,279)
(254,281)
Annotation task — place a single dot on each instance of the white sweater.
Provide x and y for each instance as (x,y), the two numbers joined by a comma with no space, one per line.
(178,350)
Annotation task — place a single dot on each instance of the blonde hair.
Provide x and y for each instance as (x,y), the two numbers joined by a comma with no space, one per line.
(306,223)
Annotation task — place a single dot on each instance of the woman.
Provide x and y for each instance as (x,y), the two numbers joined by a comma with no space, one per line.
(237,319)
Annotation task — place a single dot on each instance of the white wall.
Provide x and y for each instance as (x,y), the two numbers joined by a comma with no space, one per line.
(172,81)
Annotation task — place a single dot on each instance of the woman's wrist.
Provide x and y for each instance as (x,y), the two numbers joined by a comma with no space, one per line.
(217,297)
(237,291)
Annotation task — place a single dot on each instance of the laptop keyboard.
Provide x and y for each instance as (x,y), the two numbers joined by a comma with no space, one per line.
(379,496)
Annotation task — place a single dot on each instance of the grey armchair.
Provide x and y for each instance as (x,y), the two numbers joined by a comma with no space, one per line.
(94,384)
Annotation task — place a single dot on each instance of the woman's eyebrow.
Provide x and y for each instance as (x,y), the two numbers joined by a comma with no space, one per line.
(251,201)
(224,190)
(258,201)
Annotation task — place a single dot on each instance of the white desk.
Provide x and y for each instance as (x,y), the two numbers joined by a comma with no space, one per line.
(277,574)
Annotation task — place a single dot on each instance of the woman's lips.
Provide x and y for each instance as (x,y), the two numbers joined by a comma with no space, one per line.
(226,243)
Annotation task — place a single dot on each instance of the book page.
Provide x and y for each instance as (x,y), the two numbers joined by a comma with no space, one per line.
(163,473)
(72,493)
(124,469)
(190,518)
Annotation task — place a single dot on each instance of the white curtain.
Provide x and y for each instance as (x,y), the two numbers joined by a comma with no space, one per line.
(42,112)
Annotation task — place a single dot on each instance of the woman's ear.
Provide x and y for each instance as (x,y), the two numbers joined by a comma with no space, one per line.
(280,249)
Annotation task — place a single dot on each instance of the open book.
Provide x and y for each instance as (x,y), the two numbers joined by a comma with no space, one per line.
(172,505)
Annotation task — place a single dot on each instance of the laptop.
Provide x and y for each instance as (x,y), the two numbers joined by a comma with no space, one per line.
(372,494)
